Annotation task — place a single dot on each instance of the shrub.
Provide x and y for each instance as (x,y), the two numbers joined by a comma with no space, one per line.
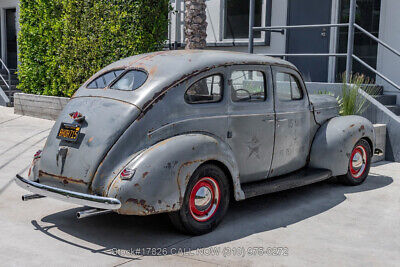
(351,102)
(63,42)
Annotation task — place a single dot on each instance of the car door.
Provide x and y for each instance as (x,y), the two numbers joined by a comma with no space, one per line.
(251,120)
(293,122)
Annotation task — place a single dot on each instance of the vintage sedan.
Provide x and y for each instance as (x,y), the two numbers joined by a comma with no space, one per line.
(186,132)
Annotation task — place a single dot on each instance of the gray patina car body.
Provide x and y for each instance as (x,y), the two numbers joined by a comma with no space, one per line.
(154,133)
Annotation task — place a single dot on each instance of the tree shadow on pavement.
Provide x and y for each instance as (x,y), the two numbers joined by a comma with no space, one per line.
(121,236)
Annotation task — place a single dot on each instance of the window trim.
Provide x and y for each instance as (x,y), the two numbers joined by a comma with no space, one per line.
(265,85)
(205,77)
(291,93)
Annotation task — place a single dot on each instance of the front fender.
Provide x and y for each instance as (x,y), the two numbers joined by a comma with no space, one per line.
(163,171)
(335,140)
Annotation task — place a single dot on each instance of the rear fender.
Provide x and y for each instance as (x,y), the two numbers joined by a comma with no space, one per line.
(335,140)
(163,170)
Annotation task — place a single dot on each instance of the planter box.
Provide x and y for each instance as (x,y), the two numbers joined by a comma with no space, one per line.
(40,106)
(380,139)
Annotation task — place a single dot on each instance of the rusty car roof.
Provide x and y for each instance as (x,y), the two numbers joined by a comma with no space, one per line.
(167,68)
(195,59)
(188,61)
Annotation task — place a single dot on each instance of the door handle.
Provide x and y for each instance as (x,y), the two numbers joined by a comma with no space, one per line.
(268,118)
(323,33)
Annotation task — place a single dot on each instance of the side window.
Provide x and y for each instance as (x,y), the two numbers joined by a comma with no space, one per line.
(104,80)
(248,86)
(205,90)
(287,87)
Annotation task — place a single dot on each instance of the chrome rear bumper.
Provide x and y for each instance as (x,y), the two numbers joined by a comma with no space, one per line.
(69,196)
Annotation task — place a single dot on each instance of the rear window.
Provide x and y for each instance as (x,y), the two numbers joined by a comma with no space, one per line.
(104,80)
(131,80)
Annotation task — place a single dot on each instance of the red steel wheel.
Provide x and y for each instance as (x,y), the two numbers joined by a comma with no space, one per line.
(359,164)
(358,161)
(205,203)
(204,199)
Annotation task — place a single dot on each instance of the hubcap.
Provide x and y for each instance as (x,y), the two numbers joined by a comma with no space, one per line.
(358,161)
(204,199)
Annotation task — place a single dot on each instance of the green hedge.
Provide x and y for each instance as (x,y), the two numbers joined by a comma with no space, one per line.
(63,42)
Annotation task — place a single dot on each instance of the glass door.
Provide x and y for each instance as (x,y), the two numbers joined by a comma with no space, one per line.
(11,38)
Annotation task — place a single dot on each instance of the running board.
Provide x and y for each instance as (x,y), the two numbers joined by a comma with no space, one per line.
(295,179)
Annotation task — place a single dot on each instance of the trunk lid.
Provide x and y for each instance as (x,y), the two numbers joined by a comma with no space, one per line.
(72,165)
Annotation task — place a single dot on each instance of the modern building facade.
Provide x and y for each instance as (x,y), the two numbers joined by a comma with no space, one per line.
(228,30)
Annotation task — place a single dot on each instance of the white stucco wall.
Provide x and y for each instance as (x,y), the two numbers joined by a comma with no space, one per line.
(389,31)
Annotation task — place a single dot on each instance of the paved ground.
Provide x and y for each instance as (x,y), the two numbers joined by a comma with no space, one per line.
(321,224)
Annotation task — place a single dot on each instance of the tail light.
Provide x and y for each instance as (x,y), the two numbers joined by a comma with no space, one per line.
(38,154)
(127,174)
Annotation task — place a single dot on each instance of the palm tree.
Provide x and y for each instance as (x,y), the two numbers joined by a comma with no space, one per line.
(195,24)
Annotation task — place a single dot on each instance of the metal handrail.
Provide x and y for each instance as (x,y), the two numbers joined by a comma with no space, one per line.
(376,39)
(2,78)
(362,62)
(300,26)
(9,75)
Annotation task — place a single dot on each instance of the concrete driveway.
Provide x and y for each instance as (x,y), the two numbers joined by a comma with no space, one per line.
(322,224)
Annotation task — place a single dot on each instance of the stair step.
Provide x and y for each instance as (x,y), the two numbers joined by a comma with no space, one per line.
(13,77)
(4,71)
(5,88)
(295,179)
(13,82)
(378,89)
(394,108)
(387,99)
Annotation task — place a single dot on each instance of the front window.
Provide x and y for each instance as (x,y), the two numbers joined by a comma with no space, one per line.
(287,87)
(247,86)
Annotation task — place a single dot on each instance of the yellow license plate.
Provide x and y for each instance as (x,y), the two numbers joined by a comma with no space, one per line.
(68,132)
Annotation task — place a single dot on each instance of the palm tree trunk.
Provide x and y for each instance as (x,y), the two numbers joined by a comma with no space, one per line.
(195,24)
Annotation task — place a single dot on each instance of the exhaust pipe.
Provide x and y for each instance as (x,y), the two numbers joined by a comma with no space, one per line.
(91,212)
(31,196)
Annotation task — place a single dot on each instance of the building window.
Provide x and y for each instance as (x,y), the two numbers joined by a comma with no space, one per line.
(367,16)
(236,19)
